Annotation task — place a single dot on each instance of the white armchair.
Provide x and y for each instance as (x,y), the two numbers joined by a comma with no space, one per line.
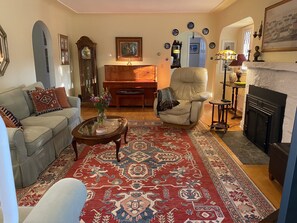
(62,203)
(188,88)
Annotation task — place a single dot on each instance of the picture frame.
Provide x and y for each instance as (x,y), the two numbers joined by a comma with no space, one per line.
(64,49)
(227,44)
(4,57)
(280,28)
(129,48)
(194,48)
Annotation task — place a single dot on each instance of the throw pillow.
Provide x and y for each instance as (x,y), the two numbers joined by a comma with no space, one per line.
(9,119)
(62,97)
(166,99)
(44,101)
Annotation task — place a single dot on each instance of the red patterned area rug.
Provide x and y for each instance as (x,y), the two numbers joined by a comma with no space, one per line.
(165,175)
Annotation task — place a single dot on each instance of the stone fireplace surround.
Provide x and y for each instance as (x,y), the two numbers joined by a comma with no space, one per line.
(280,77)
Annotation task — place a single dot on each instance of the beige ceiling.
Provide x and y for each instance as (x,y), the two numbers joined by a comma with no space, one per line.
(145,6)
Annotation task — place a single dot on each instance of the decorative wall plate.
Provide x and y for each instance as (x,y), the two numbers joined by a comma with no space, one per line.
(212,45)
(167,45)
(175,32)
(205,31)
(190,25)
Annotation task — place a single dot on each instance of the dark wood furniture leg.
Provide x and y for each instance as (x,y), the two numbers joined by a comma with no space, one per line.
(235,104)
(233,99)
(118,145)
(220,118)
(125,134)
(75,149)
(212,115)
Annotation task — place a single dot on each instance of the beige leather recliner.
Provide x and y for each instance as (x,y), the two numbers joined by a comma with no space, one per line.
(189,88)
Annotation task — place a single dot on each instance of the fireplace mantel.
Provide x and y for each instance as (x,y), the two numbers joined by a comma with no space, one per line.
(280,77)
(290,67)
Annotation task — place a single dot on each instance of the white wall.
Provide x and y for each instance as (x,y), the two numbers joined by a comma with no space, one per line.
(255,9)
(155,30)
(17,19)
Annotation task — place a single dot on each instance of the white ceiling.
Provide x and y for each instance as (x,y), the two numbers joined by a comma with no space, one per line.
(145,6)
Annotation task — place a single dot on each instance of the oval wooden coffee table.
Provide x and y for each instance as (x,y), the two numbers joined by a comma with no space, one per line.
(114,127)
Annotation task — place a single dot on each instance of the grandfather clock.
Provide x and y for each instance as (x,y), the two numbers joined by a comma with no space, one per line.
(87,68)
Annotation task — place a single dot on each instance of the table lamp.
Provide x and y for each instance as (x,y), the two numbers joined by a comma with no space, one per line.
(238,63)
(225,55)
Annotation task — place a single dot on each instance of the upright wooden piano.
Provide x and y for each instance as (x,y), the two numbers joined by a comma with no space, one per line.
(125,83)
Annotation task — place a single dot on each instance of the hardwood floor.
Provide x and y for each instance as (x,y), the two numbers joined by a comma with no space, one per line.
(257,173)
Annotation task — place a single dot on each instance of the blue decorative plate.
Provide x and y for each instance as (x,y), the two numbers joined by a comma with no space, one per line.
(175,32)
(205,31)
(212,45)
(190,25)
(167,45)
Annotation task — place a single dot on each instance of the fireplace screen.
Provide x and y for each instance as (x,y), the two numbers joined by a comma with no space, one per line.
(264,116)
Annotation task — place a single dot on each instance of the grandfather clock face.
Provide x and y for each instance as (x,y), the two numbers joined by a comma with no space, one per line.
(86,53)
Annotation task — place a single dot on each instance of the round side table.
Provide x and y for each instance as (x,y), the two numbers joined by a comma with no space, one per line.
(222,118)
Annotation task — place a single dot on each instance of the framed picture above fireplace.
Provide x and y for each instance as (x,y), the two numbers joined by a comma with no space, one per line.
(280,27)
(129,48)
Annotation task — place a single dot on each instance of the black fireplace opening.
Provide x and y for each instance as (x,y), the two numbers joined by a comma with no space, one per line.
(264,116)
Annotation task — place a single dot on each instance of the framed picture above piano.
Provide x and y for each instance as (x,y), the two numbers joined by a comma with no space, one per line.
(129,48)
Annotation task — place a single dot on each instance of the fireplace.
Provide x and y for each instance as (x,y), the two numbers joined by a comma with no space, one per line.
(264,115)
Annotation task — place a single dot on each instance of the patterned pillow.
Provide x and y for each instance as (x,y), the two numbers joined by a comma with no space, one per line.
(9,119)
(61,96)
(44,101)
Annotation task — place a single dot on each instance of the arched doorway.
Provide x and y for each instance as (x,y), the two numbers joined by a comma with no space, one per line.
(42,50)
(193,51)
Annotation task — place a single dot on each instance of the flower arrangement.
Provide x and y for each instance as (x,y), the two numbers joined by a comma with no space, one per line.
(101,102)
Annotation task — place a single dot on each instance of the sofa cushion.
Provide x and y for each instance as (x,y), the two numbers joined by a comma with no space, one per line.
(15,102)
(72,114)
(55,123)
(44,101)
(184,107)
(27,97)
(35,137)
(9,119)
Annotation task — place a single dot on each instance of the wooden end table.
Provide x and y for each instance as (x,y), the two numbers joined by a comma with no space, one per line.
(114,127)
(221,122)
(234,101)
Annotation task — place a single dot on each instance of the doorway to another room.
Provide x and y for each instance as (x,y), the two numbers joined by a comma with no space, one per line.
(42,50)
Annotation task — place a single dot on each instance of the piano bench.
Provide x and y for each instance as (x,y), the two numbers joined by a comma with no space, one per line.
(131,94)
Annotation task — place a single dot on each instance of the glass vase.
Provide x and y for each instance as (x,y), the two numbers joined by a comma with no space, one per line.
(101,117)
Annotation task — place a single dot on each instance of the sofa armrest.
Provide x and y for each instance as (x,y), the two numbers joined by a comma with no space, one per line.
(17,143)
(74,101)
(202,96)
(63,202)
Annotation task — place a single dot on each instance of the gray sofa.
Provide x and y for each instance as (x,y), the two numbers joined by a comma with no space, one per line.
(42,138)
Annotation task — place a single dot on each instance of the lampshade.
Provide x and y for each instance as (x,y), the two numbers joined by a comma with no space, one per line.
(238,62)
(225,55)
